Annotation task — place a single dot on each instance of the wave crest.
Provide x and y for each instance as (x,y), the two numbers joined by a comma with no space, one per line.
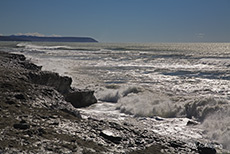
(201,108)
(147,104)
(40,47)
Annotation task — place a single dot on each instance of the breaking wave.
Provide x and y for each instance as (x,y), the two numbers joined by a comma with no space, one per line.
(41,47)
(139,101)
(217,127)
(114,95)
(212,113)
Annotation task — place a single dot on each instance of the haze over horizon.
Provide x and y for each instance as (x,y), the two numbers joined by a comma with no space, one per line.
(119,21)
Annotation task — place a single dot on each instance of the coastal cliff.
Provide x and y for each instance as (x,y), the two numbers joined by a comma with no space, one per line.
(25,38)
(38,114)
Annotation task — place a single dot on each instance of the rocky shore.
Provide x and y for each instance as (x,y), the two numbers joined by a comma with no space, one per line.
(38,114)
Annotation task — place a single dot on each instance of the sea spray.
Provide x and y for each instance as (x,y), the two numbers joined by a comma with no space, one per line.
(201,108)
(146,104)
(114,93)
(139,101)
(217,127)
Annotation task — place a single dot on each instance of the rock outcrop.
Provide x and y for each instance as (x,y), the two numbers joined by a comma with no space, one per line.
(77,97)
(80,98)
(61,84)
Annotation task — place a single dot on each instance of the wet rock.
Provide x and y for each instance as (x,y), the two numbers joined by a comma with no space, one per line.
(81,98)
(108,134)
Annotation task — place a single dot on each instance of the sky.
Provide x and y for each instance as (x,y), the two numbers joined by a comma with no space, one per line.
(119,20)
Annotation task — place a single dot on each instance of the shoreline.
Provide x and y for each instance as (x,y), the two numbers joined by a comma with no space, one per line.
(36,118)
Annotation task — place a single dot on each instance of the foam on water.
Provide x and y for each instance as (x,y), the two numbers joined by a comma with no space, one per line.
(217,127)
(42,47)
(146,80)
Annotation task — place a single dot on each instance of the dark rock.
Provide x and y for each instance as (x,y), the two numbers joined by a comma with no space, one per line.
(205,149)
(56,123)
(22,126)
(41,131)
(108,134)
(72,112)
(22,121)
(139,141)
(61,84)
(175,144)
(10,102)
(16,56)
(20,96)
(159,118)
(191,122)
(44,117)
(81,98)
(30,66)
(6,85)
(78,98)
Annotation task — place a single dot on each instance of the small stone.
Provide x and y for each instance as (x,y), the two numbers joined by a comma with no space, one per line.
(56,123)
(17,105)
(41,131)
(22,126)
(191,122)
(73,140)
(22,121)
(20,96)
(159,118)
(107,134)
(10,102)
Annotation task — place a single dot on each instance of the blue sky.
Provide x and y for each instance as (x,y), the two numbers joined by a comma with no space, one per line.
(120,20)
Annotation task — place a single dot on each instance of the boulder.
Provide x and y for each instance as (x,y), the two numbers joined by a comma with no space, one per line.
(81,98)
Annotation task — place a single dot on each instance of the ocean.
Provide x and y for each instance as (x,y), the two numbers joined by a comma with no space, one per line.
(168,80)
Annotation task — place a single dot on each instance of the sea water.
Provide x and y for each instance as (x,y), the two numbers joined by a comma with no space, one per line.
(169,80)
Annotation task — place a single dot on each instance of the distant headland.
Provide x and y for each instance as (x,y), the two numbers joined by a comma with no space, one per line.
(27,38)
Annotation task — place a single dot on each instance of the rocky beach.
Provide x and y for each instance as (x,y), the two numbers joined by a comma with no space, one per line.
(39,114)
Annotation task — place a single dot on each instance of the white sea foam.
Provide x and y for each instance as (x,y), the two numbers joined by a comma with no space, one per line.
(217,126)
(146,104)
(41,47)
